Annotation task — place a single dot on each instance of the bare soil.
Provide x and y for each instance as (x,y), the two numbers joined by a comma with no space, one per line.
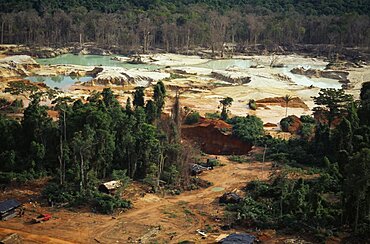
(166,219)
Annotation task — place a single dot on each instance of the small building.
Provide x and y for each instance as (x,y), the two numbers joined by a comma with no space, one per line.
(8,209)
(110,187)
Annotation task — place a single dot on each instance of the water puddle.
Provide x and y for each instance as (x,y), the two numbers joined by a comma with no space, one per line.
(60,81)
(217,189)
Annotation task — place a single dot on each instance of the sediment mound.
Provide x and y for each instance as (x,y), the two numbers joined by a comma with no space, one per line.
(232,77)
(214,137)
(296,102)
(19,65)
(120,76)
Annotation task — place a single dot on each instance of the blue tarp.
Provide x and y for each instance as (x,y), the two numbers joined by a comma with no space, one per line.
(8,205)
(239,239)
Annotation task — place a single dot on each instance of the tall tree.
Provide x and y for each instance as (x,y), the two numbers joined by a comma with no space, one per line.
(332,103)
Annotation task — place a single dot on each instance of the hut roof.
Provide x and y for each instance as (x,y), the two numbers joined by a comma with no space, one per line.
(111,185)
(8,205)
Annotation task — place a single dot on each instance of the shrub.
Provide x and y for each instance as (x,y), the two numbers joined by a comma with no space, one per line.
(192,118)
(121,175)
(252,104)
(215,115)
(285,123)
(238,159)
(307,119)
(106,204)
(249,128)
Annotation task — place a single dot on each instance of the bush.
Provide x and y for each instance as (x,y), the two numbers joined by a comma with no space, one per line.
(121,175)
(249,128)
(252,104)
(307,130)
(215,115)
(106,204)
(285,123)
(238,159)
(192,118)
(60,194)
(307,119)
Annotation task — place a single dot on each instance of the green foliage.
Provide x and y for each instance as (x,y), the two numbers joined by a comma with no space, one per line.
(307,119)
(192,118)
(121,175)
(139,97)
(215,115)
(252,104)
(285,123)
(159,97)
(226,103)
(21,88)
(91,142)
(249,128)
(238,159)
(106,204)
(332,103)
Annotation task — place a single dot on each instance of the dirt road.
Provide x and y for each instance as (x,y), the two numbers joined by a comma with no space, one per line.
(167,219)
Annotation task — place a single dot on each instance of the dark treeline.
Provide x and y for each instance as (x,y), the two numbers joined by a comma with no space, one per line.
(182,25)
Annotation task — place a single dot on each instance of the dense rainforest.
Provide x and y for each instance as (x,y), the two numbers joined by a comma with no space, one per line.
(186,24)
(324,187)
(91,142)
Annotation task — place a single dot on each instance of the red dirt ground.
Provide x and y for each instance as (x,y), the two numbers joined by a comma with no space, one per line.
(154,218)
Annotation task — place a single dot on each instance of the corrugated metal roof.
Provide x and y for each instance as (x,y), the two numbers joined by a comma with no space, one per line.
(9,205)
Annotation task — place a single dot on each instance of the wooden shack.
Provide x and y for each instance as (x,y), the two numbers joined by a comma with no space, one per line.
(8,209)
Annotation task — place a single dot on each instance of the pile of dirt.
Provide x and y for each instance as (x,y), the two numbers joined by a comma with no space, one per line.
(270,125)
(296,102)
(215,137)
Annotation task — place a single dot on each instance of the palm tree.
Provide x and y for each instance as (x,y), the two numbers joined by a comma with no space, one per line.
(287,99)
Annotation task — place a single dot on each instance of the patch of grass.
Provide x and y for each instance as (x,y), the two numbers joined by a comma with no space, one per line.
(238,159)
(181,203)
(169,214)
(215,115)
(188,212)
